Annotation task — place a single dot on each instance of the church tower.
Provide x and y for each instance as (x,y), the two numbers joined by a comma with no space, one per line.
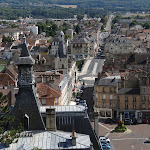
(26,109)
(61,59)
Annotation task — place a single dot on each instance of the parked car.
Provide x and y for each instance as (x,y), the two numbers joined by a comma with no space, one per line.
(82,87)
(127,121)
(103,138)
(133,121)
(147,141)
(108,120)
(105,145)
(146,121)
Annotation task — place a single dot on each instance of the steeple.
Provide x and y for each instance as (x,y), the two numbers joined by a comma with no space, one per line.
(26,109)
(25,51)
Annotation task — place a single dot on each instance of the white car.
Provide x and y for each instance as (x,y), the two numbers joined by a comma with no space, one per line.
(103,138)
(147,141)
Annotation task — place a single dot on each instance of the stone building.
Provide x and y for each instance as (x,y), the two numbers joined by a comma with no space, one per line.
(126,95)
(79,47)
(61,58)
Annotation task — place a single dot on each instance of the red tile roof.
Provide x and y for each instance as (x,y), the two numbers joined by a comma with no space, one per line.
(45,90)
(6,79)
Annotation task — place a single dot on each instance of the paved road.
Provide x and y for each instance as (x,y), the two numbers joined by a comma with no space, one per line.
(132,140)
(90,70)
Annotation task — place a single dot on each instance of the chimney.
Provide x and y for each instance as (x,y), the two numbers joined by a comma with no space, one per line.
(99,75)
(51,119)
(123,82)
(96,122)
(73,138)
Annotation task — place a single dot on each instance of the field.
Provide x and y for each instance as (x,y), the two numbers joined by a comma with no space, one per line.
(134,14)
(67,6)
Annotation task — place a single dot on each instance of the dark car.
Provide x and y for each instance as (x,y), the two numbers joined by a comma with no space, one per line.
(108,120)
(133,121)
(82,87)
(127,121)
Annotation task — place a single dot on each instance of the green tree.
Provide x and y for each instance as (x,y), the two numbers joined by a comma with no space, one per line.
(133,23)
(77,29)
(6,119)
(79,17)
(6,39)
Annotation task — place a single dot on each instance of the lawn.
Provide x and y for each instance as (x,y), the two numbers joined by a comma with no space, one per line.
(3,64)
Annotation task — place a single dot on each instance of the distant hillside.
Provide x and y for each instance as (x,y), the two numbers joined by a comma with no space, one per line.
(111,4)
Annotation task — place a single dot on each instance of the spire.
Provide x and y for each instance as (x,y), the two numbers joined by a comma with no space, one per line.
(24,51)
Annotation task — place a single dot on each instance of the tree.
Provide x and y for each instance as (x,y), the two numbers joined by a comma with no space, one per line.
(79,17)
(133,23)
(6,119)
(77,29)
(6,39)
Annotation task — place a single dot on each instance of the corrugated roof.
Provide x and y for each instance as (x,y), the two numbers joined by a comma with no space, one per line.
(65,108)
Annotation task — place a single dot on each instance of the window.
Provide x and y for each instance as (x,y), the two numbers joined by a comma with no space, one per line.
(134,98)
(96,103)
(110,105)
(103,89)
(143,106)
(118,97)
(143,90)
(96,96)
(143,98)
(126,106)
(104,96)
(149,88)
(149,98)
(62,66)
(43,101)
(56,100)
(111,89)
(111,97)
(134,106)
(104,104)
(126,98)
(118,105)
(149,106)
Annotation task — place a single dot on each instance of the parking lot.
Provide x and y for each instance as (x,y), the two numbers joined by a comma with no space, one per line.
(133,139)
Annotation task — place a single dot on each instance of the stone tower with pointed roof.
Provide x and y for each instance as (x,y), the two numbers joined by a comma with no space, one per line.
(26,109)
(61,59)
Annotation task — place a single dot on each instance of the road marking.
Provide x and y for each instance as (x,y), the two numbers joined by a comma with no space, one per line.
(94,69)
(132,146)
(107,134)
(129,139)
(105,127)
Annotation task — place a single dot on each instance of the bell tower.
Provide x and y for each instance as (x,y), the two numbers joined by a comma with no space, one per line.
(26,109)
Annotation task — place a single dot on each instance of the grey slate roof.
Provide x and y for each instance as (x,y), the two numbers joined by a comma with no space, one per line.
(108,81)
(24,51)
(134,91)
(25,57)
(50,140)
(61,50)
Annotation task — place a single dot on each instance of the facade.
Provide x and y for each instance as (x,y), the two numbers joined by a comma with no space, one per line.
(7,87)
(79,47)
(128,96)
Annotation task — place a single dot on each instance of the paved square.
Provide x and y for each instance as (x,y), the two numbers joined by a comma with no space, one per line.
(133,139)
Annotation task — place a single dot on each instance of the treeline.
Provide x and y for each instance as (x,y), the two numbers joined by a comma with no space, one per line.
(43,12)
